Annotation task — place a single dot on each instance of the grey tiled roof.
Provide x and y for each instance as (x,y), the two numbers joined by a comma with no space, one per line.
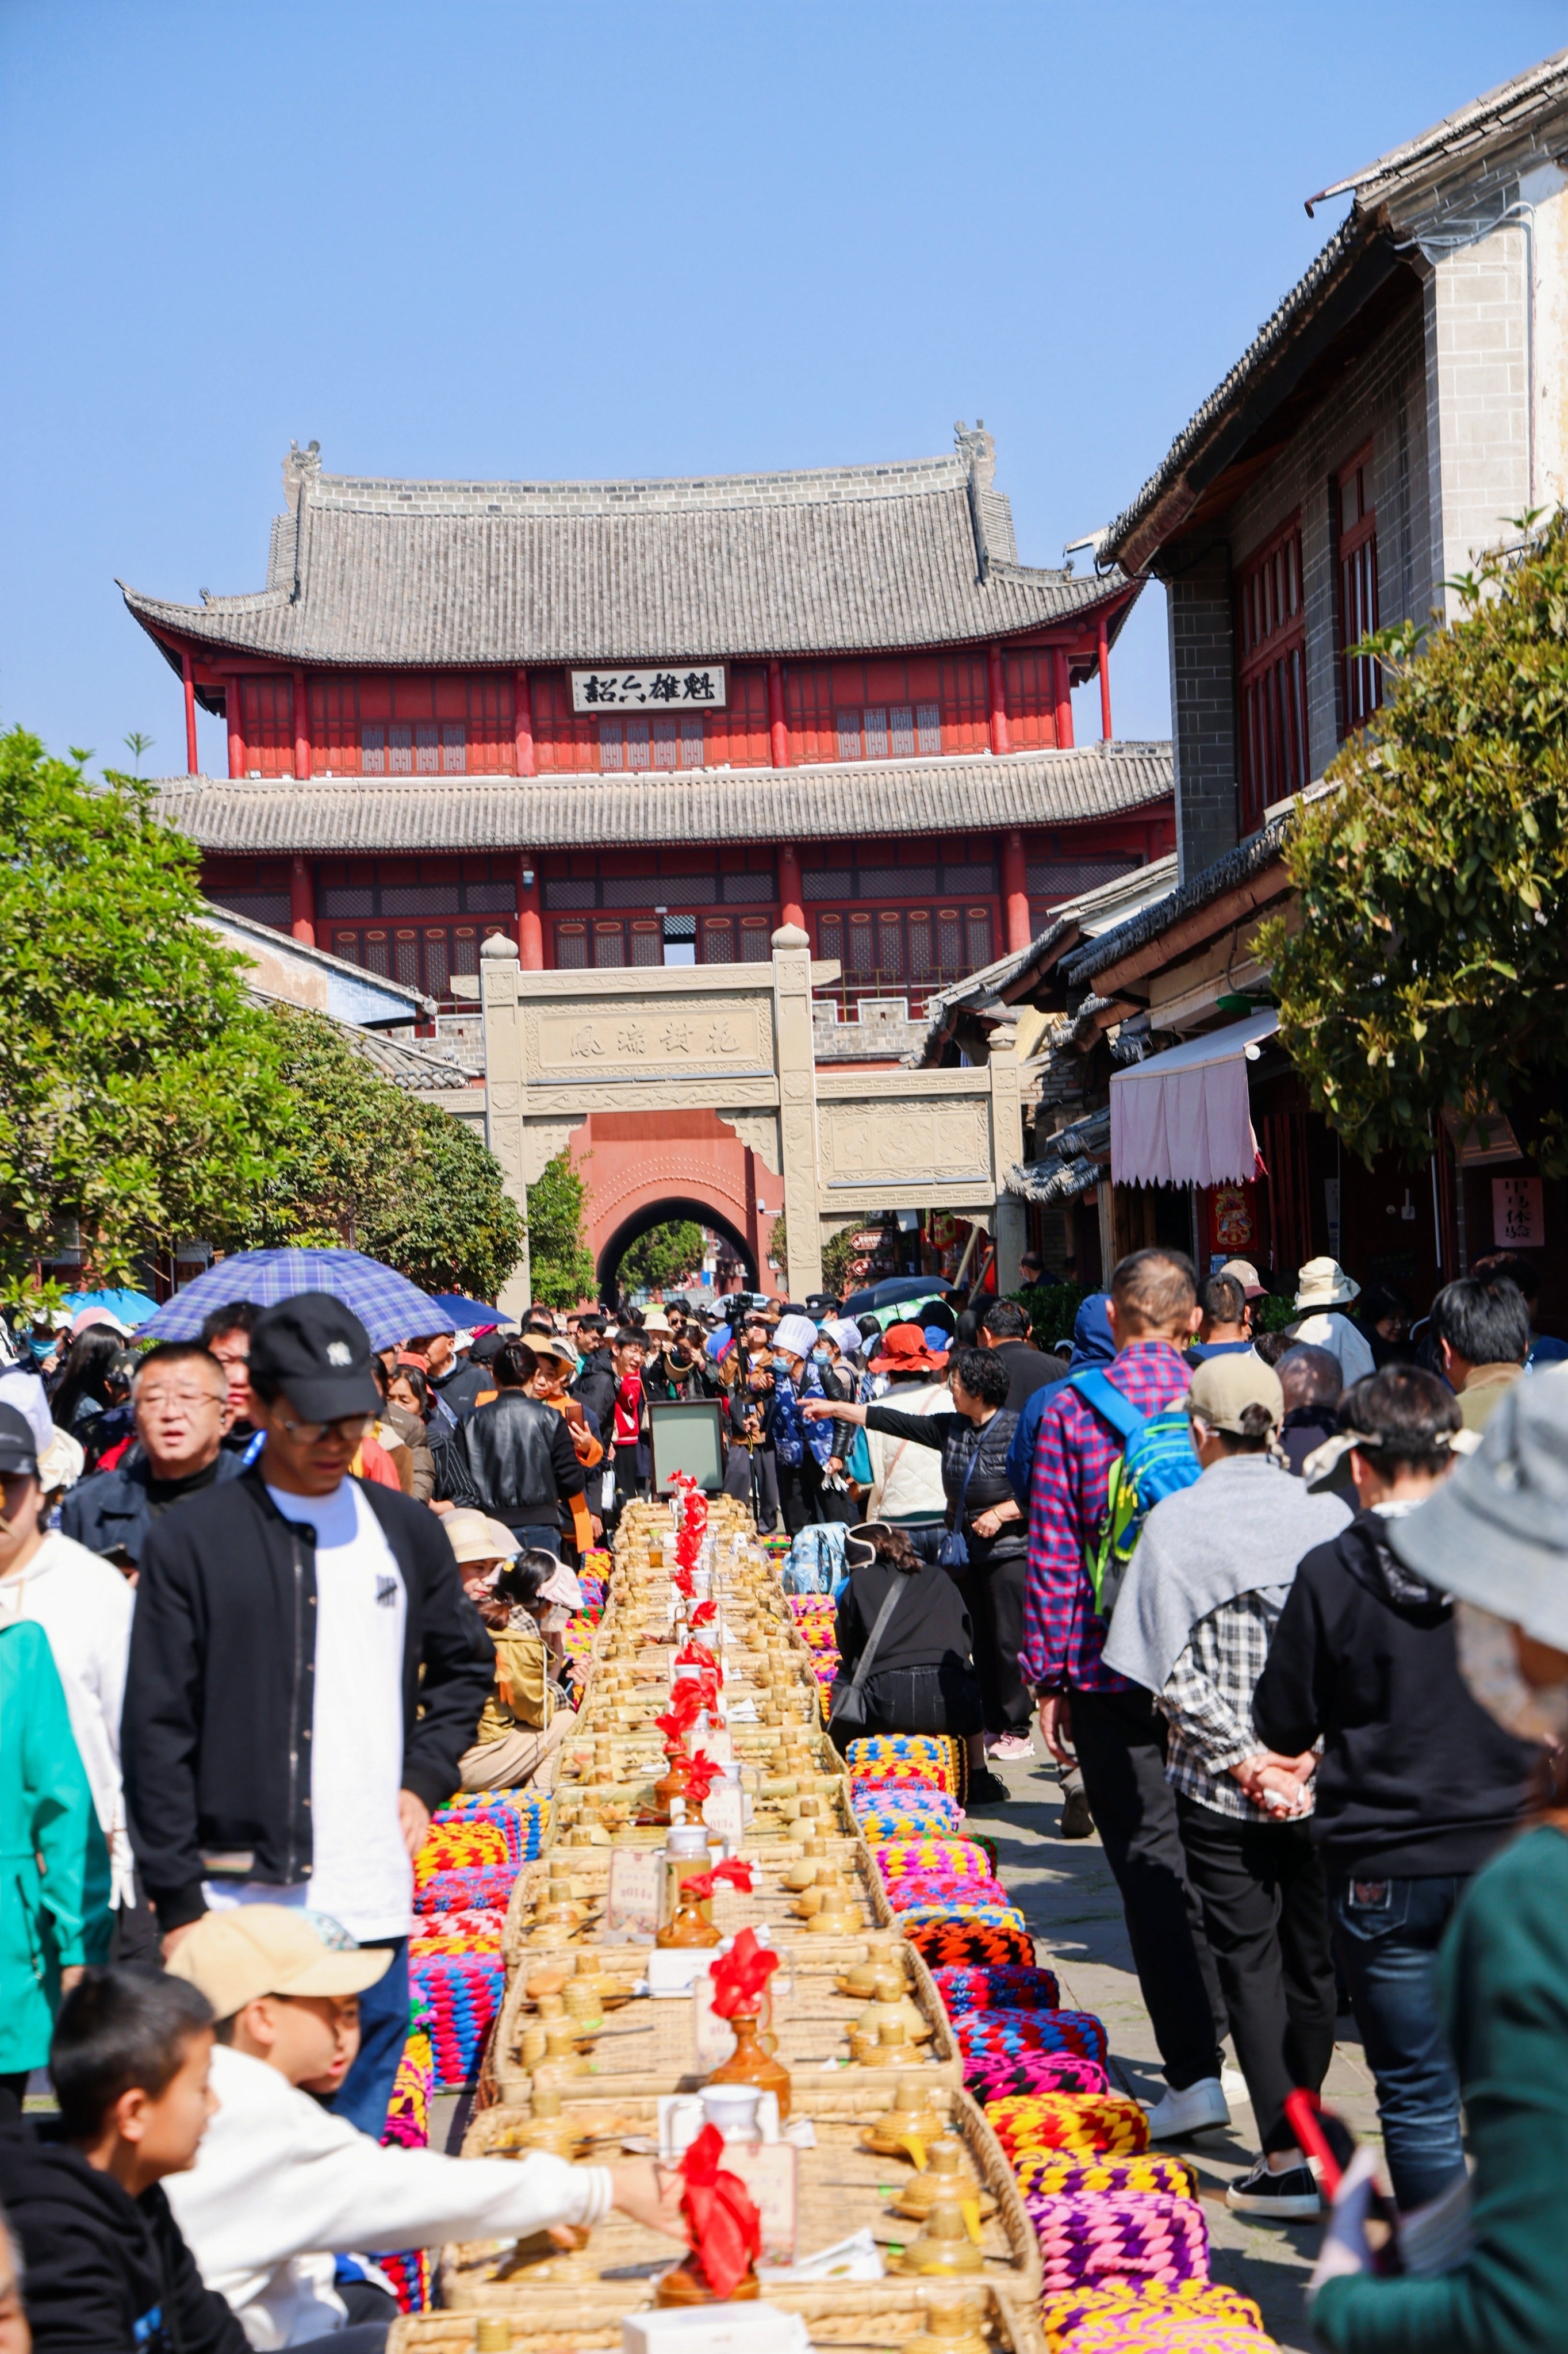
(1514,107)
(833,560)
(1238,866)
(888,797)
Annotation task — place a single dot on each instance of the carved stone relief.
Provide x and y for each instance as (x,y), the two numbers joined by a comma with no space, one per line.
(633,1040)
(904,1143)
(759,1132)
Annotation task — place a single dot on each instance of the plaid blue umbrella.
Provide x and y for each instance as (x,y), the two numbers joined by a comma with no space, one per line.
(389,1307)
(465,1312)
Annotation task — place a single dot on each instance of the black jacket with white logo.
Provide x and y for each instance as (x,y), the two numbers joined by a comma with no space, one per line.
(217,1724)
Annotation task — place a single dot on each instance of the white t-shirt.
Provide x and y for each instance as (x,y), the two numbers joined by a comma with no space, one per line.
(84,1607)
(360,1870)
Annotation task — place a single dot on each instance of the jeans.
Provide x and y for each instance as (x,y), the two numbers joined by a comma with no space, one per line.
(364,2094)
(539,1538)
(1386,1936)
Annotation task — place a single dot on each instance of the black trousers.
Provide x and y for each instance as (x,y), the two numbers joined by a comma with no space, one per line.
(1120,1740)
(993,1596)
(801,1494)
(1266,1909)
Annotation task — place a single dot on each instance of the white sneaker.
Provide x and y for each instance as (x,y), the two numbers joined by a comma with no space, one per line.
(1197,2108)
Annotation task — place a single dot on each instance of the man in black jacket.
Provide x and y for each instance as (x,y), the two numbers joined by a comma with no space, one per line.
(513,1457)
(1005,1327)
(1417,1785)
(182,1411)
(305,1674)
(107,2269)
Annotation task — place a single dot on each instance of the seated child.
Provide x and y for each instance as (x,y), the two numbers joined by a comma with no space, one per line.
(282,2185)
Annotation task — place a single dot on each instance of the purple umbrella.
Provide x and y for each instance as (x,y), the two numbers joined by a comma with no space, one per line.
(390,1308)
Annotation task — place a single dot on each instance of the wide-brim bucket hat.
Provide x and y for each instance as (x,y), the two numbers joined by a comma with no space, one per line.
(1323,1283)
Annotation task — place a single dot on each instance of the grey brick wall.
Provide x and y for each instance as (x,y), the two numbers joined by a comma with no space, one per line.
(1203,710)
(1477,402)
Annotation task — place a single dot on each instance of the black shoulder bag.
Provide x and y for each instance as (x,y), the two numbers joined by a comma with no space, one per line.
(847,1708)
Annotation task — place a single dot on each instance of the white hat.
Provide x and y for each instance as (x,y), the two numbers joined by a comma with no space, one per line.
(1323,1283)
(61,1462)
(796,1335)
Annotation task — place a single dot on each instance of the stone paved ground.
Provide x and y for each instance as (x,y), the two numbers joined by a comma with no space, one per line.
(1065,1891)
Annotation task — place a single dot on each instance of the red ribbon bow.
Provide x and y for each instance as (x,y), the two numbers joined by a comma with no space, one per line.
(700,1884)
(722,2221)
(704,1612)
(701,1775)
(680,1579)
(741,1975)
(696,1654)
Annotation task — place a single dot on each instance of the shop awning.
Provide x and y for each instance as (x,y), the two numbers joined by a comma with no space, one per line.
(1182,1119)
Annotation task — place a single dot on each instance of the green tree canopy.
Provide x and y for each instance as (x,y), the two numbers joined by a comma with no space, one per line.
(561,1269)
(364,1164)
(1429,973)
(663,1257)
(139,1088)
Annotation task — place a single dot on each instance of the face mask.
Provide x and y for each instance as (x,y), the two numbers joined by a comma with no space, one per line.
(1491,1674)
(779,1364)
(820,1357)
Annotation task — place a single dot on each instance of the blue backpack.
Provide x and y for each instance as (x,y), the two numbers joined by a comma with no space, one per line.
(815,1562)
(1157,1460)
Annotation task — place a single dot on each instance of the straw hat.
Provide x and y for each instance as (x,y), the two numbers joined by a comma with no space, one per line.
(655,1321)
(1323,1283)
(474,1536)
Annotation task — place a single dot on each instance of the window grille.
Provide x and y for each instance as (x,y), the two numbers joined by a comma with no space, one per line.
(848,723)
(638,749)
(1357,525)
(875,733)
(756,941)
(929,726)
(608,945)
(611,744)
(401,750)
(1271,675)
(571,947)
(901,730)
(373,751)
(978,932)
(454,748)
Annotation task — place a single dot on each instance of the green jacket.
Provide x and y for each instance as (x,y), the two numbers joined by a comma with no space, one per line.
(51,1920)
(1503,1981)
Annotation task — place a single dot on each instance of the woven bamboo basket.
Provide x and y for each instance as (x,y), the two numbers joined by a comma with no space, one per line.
(646,2048)
(843,2189)
(886,2314)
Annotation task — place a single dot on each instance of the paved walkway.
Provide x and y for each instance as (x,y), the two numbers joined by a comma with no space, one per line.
(1067,1894)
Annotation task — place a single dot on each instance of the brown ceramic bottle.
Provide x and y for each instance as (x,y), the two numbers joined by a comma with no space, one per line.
(748,2064)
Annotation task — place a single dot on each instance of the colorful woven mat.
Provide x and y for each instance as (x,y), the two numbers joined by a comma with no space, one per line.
(1101,2121)
(1015,1988)
(1067,2311)
(484,1887)
(933,1757)
(1143,2232)
(458,1932)
(409,2272)
(408,2112)
(912,1800)
(1051,2172)
(521,1816)
(915,1902)
(1004,2034)
(937,1859)
(1137,2333)
(943,1939)
(464,1991)
(1033,2072)
(459,1848)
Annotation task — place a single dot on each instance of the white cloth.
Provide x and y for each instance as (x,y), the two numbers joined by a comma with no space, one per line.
(1327,1328)
(1182,1117)
(85,1607)
(360,1872)
(280,2185)
(25,1391)
(906,1480)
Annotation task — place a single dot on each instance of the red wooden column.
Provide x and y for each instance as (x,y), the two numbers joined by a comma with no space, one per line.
(530,929)
(188,674)
(301,903)
(777,725)
(522,728)
(236,729)
(1062,695)
(1015,890)
(301,728)
(791,899)
(1105,682)
(1000,740)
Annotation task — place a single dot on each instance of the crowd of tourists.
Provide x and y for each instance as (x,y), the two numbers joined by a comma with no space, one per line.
(1290,1607)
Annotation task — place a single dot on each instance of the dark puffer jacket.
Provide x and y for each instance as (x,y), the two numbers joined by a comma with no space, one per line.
(962,1445)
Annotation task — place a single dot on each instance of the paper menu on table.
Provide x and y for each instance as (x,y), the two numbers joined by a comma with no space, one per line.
(631,1903)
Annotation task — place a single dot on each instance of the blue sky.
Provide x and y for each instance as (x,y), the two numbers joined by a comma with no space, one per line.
(514,240)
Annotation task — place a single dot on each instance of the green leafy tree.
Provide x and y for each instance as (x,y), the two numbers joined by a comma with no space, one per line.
(838,1253)
(140,1090)
(664,1257)
(1429,973)
(367,1166)
(561,1268)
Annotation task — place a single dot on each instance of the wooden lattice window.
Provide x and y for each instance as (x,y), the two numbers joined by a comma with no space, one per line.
(1356,522)
(1271,675)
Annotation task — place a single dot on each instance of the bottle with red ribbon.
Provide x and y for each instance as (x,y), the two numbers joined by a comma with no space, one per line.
(740,1988)
(723,2226)
(688,1925)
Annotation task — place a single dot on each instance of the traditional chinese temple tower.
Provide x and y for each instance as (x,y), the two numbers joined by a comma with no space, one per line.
(645,723)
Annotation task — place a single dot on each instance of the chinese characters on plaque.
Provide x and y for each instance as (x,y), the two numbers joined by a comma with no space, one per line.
(649,689)
(1519,1217)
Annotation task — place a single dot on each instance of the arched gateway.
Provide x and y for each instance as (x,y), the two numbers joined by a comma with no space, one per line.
(735,1040)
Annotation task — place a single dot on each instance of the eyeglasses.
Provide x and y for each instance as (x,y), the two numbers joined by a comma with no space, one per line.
(349,1427)
(161,1401)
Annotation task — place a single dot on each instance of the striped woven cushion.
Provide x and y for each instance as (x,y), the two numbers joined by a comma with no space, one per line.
(1003,2034)
(1098,2121)
(1155,2303)
(1033,2072)
(944,1938)
(1143,2232)
(1015,1988)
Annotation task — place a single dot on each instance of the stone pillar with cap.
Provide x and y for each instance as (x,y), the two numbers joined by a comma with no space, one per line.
(1011,1226)
(795,1061)
(505,1094)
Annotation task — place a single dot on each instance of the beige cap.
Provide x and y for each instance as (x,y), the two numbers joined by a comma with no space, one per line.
(474,1536)
(1245,1274)
(1224,1387)
(256,1949)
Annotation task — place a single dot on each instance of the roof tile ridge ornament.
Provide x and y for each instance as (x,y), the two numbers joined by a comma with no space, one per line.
(301,468)
(978,448)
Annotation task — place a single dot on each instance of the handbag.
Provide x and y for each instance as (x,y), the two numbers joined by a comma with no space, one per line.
(953,1550)
(847,1707)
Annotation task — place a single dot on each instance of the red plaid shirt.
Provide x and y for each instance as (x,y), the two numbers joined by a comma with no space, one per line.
(1063,1639)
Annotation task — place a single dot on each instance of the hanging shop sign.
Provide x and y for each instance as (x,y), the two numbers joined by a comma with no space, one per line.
(1233,1221)
(685,689)
(1518,1215)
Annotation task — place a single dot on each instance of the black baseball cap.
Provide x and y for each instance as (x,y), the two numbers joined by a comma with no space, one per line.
(318,1353)
(18,1447)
